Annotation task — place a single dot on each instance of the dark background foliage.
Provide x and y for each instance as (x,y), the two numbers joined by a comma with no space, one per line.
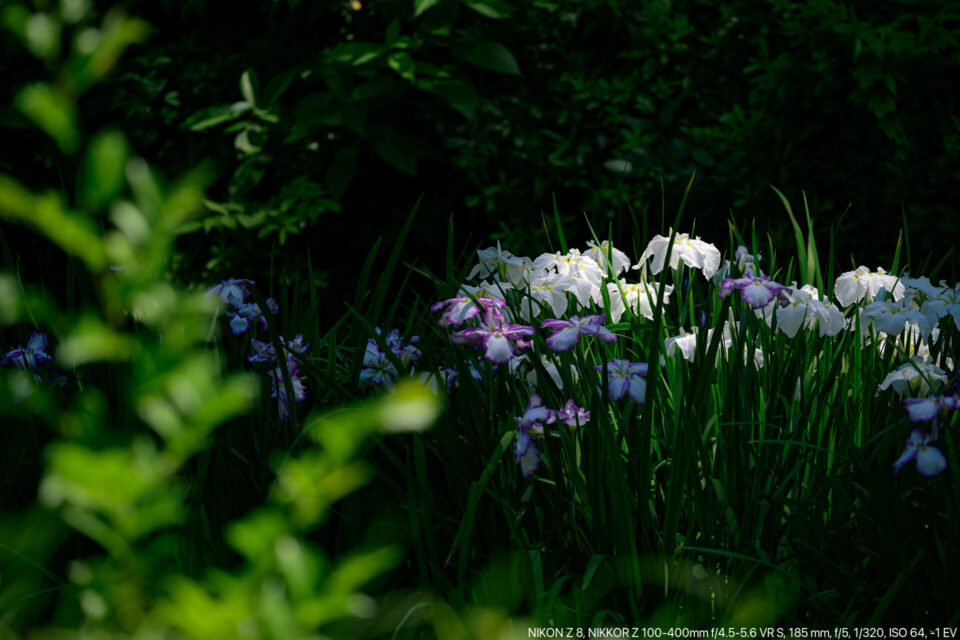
(321,123)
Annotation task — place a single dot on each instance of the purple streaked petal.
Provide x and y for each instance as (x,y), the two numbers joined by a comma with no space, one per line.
(517,331)
(524,441)
(908,454)
(499,349)
(599,331)
(757,295)
(535,412)
(555,325)
(564,339)
(530,460)
(638,368)
(618,387)
(469,336)
(922,409)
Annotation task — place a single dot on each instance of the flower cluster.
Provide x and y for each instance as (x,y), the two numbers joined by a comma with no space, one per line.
(378,369)
(242,314)
(570,290)
(695,253)
(278,389)
(530,427)
(500,340)
(797,308)
(552,282)
(931,409)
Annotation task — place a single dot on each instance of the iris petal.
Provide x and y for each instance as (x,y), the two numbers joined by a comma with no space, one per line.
(930,461)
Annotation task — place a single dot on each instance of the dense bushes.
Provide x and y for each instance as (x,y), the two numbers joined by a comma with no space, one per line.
(490,108)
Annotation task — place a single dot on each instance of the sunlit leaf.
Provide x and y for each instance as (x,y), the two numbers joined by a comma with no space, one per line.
(52,112)
(103,171)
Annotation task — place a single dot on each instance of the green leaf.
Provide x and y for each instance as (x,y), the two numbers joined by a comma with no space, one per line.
(217,114)
(798,235)
(393,32)
(460,94)
(419,6)
(490,8)
(488,55)
(402,63)
(355,53)
(103,171)
(76,235)
(249,86)
(52,112)
(249,141)
(93,341)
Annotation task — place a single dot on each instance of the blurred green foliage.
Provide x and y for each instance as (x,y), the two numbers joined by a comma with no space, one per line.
(92,539)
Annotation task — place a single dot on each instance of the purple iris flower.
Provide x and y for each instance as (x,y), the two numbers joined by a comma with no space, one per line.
(407,354)
(566,333)
(264,351)
(534,415)
(527,454)
(247,313)
(928,409)
(930,461)
(460,309)
(502,340)
(232,291)
(279,388)
(377,370)
(755,291)
(530,427)
(31,356)
(572,415)
(625,377)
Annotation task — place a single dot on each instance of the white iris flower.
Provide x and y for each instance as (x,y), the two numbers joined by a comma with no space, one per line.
(599,253)
(804,309)
(892,317)
(503,265)
(637,296)
(695,253)
(854,286)
(914,375)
